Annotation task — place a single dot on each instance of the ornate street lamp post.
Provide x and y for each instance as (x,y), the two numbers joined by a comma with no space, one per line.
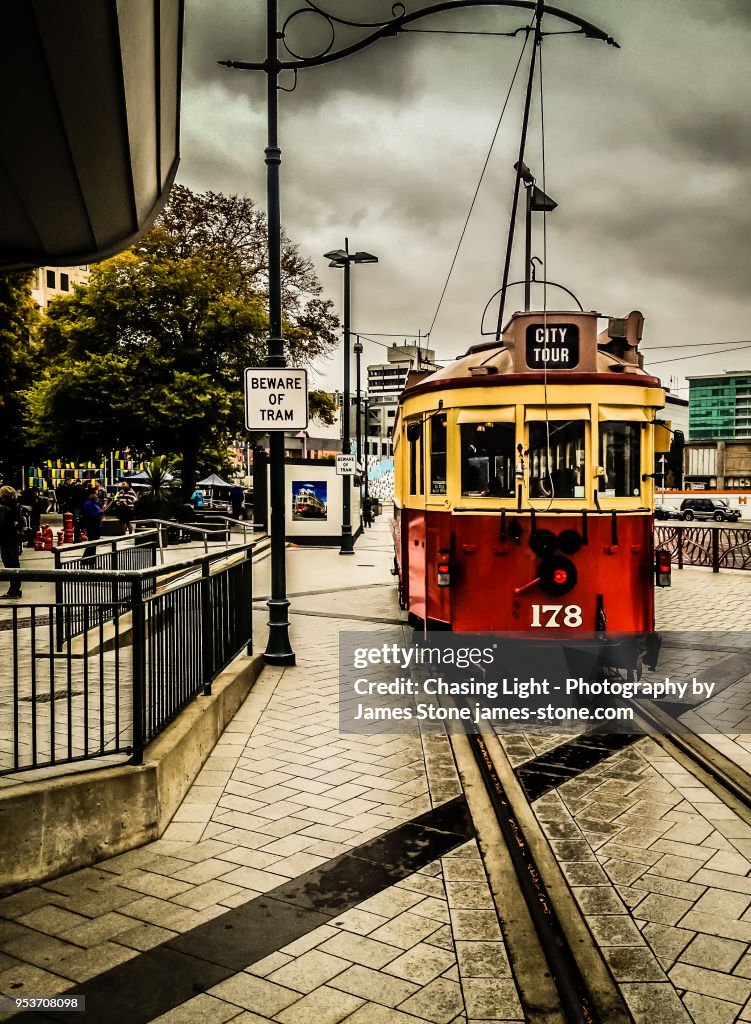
(278,649)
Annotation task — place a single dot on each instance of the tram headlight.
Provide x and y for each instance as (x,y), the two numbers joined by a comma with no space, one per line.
(557,575)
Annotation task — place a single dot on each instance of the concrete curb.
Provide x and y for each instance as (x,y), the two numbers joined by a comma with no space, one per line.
(52,827)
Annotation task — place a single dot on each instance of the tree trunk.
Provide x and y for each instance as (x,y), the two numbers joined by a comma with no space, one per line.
(189,467)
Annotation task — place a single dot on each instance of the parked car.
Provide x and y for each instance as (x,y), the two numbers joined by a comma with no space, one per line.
(663,512)
(709,508)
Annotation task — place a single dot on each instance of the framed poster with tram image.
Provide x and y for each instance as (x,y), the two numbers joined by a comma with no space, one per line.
(309,500)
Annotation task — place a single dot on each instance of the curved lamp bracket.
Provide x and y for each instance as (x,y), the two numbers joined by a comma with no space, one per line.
(399,21)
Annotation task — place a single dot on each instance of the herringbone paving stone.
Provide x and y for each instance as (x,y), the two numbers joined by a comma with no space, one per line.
(661,870)
(283,794)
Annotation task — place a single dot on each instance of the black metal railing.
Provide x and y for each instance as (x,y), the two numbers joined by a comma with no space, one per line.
(135,663)
(713,546)
(116,554)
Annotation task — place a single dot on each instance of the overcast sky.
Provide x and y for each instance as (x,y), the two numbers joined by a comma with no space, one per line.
(647,152)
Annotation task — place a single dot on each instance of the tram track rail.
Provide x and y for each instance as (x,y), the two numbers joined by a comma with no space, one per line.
(560,971)
(715,770)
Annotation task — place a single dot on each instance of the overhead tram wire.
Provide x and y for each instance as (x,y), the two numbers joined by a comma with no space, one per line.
(679,359)
(480,180)
(702,344)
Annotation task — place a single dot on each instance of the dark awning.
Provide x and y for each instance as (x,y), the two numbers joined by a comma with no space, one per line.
(89,138)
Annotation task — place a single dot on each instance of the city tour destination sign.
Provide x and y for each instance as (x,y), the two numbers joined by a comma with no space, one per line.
(551,345)
(276,399)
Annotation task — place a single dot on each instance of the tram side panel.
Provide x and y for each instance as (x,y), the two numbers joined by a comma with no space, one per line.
(497,581)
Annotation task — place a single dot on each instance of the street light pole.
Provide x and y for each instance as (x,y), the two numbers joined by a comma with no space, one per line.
(358,423)
(278,649)
(344,258)
(347,544)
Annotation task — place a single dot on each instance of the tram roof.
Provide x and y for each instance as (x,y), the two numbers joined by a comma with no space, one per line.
(612,355)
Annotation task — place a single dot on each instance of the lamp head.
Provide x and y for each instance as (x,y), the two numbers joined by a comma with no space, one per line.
(524,173)
(338,257)
(363,257)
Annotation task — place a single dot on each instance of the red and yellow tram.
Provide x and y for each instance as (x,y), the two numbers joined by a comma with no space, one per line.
(524,482)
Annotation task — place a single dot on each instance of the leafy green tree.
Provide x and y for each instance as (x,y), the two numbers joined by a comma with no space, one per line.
(149,355)
(18,318)
(323,406)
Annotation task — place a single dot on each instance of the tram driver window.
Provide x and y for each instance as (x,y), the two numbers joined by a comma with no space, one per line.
(620,458)
(557,459)
(488,459)
(438,435)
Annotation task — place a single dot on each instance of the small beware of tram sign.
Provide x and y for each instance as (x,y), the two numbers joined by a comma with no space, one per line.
(552,345)
(346,465)
(276,399)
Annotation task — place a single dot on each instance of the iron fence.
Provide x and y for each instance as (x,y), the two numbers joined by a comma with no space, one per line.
(712,546)
(135,663)
(129,553)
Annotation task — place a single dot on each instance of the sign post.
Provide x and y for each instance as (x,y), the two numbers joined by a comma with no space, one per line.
(663,462)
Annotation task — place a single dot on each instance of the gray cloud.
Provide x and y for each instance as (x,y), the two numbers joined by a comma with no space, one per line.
(647,152)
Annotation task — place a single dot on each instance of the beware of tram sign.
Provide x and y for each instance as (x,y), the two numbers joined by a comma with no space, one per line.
(276,399)
(346,465)
(551,345)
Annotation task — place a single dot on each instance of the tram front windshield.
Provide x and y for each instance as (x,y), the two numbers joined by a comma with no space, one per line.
(488,459)
(620,458)
(557,459)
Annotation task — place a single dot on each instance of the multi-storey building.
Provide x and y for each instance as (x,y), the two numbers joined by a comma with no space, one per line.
(49,282)
(720,406)
(718,454)
(386,381)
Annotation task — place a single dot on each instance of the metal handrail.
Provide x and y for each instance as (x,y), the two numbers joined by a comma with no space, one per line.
(189,528)
(237,522)
(113,541)
(119,575)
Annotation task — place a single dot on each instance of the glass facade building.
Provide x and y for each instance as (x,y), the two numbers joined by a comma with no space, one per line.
(720,407)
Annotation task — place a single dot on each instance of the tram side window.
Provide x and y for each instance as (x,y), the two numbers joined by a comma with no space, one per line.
(438,436)
(557,459)
(488,459)
(620,458)
(416,464)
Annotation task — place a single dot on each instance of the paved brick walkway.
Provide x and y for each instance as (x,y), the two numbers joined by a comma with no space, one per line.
(659,866)
(284,795)
(285,803)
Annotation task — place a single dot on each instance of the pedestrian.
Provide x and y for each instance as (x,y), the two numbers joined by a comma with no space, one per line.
(91,517)
(74,504)
(33,501)
(196,498)
(125,506)
(10,536)
(237,500)
(62,495)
